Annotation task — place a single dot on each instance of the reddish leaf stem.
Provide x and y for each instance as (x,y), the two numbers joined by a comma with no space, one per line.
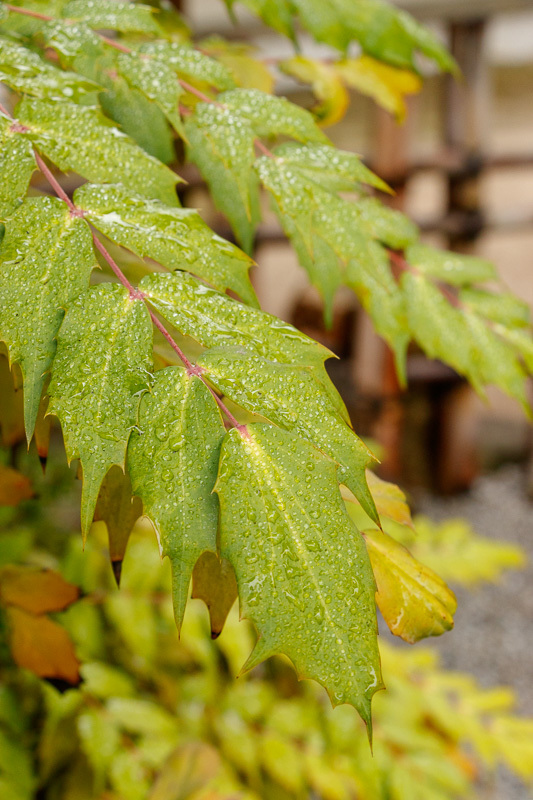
(54,183)
(192,369)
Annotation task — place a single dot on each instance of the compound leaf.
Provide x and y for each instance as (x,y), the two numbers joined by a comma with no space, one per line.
(100,370)
(302,568)
(462,339)
(172,461)
(117,15)
(47,257)
(176,237)
(17,164)
(81,139)
(414,601)
(290,397)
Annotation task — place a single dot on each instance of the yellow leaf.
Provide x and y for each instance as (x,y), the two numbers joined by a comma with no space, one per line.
(414,601)
(326,84)
(14,487)
(213,581)
(387,85)
(389,499)
(35,590)
(247,71)
(42,646)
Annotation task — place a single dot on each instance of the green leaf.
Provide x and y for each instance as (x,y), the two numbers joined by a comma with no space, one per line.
(117,15)
(278,14)
(119,511)
(157,81)
(462,339)
(27,73)
(391,227)
(333,169)
(216,319)
(453,268)
(502,307)
(172,461)
(290,397)
(383,31)
(221,144)
(100,370)
(414,601)
(84,51)
(81,139)
(302,568)
(17,164)
(176,237)
(213,581)
(273,116)
(47,257)
(333,241)
(190,63)
(389,498)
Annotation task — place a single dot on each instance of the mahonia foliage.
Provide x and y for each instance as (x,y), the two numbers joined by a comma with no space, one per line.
(146,408)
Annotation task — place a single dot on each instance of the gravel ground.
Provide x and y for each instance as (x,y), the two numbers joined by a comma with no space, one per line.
(493,635)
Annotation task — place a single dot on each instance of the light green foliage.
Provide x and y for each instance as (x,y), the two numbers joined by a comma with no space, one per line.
(100,370)
(454,268)
(221,144)
(176,237)
(276,391)
(173,460)
(334,239)
(461,338)
(283,525)
(25,72)
(333,169)
(190,63)
(457,552)
(381,30)
(81,139)
(47,258)
(181,717)
(116,15)
(273,116)
(17,163)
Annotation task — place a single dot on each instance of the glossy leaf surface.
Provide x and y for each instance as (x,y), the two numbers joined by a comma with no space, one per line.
(47,258)
(81,139)
(177,238)
(172,460)
(100,371)
(310,595)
